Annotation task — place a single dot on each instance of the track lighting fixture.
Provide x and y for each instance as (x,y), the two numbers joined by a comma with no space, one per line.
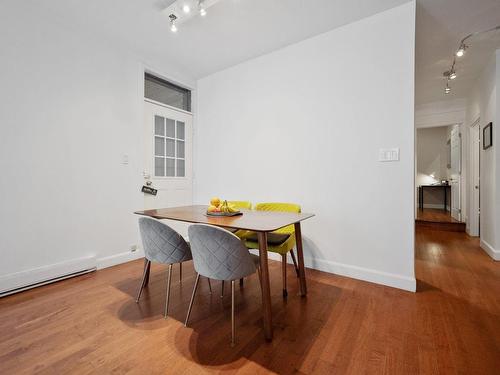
(461,50)
(203,11)
(451,73)
(173,18)
(180,12)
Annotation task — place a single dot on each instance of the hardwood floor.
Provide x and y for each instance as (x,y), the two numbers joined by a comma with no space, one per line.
(438,219)
(91,324)
(435,215)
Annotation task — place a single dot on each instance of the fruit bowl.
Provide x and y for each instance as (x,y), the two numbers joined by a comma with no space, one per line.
(222,208)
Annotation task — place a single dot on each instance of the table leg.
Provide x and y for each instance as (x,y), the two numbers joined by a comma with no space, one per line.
(265,287)
(421,191)
(445,197)
(300,259)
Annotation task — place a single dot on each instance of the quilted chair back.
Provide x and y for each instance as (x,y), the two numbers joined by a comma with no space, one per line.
(281,207)
(218,254)
(161,243)
(241,204)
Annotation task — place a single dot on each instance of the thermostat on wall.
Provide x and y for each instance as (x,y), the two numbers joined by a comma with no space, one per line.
(388,154)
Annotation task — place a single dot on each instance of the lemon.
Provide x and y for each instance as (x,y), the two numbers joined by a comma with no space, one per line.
(215,201)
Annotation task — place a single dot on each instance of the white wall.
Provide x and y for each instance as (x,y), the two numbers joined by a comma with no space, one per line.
(304,124)
(70,108)
(483,103)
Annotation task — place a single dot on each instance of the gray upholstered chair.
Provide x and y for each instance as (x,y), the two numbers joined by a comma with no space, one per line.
(164,245)
(220,255)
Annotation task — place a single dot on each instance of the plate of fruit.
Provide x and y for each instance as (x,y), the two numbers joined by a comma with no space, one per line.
(222,208)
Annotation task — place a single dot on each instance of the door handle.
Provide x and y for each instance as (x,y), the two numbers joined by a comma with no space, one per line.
(476,187)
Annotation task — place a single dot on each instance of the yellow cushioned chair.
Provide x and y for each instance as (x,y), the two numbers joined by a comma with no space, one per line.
(280,241)
(241,204)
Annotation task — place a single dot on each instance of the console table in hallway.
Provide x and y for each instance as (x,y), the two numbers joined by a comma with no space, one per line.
(421,189)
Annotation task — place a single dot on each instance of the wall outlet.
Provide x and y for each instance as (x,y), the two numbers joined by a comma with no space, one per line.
(133,248)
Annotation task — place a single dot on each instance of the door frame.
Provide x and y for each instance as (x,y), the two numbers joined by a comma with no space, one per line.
(474,214)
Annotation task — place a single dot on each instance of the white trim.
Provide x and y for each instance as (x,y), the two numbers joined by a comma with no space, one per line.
(355,272)
(167,106)
(120,258)
(43,275)
(495,254)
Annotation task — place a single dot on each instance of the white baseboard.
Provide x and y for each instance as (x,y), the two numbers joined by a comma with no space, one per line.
(42,275)
(120,258)
(495,254)
(361,273)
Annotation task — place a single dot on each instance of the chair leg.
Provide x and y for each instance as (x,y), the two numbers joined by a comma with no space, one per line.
(241,282)
(147,264)
(180,272)
(143,282)
(169,278)
(232,314)
(294,262)
(258,273)
(222,290)
(283,271)
(192,299)
(209,285)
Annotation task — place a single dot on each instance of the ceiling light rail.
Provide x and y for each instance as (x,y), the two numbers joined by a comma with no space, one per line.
(181,11)
(451,73)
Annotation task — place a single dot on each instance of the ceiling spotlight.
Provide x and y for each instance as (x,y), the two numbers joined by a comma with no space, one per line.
(447,89)
(452,75)
(203,11)
(186,8)
(173,18)
(461,51)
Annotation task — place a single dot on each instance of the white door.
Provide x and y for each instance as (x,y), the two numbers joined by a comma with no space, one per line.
(456,148)
(168,158)
(475,139)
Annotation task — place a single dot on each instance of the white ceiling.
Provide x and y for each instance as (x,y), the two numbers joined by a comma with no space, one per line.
(232,32)
(441,24)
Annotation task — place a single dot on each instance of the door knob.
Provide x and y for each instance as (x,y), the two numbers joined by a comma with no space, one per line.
(476,187)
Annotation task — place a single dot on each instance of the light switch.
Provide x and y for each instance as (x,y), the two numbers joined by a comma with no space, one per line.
(388,154)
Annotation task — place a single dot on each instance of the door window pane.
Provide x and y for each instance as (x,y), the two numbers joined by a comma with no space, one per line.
(180,130)
(170,167)
(159,125)
(159,146)
(170,147)
(170,128)
(180,168)
(180,149)
(159,167)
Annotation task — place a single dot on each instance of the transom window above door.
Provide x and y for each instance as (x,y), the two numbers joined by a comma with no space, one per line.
(169,147)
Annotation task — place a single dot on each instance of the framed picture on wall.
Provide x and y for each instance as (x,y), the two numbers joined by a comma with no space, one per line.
(487,136)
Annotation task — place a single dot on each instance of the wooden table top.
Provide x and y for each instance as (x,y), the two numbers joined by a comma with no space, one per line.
(257,221)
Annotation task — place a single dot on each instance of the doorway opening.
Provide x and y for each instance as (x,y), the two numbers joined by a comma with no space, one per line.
(439,177)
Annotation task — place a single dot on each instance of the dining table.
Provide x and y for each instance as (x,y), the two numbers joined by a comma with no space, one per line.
(260,222)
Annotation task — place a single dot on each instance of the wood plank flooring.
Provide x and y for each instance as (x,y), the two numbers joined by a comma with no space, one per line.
(438,219)
(91,324)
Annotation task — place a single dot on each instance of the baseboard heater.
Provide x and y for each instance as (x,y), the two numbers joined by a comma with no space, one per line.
(32,278)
